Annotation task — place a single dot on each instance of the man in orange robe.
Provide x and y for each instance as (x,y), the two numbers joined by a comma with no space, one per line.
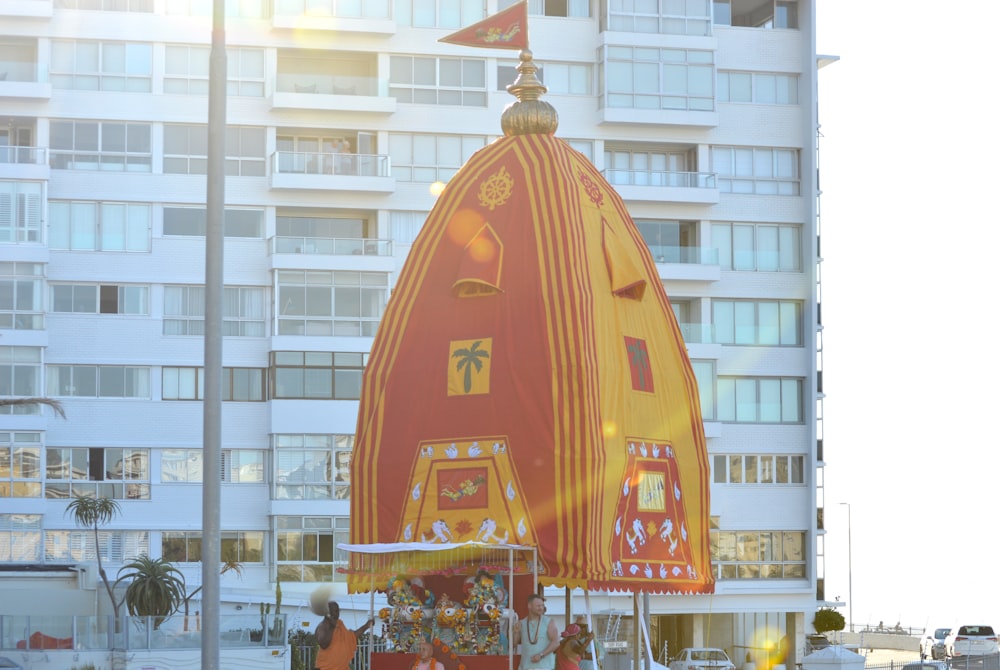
(337,643)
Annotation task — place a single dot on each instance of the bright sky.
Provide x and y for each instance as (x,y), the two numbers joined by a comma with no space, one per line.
(911,186)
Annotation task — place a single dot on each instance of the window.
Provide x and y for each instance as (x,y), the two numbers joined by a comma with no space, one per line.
(100,145)
(759,247)
(649,78)
(185,150)
(243,311)
(780,469)
(431,158)
(243,466)
(306,548)
(317,375)
(319,302)
(559,78)
(704,373)
(759,87)
(21,296)
(758,554)
(438,81)
(20,211)
(671,241)
(238,384)
(238,466)
(20,538)
(100,299)
(248,223)
(186,70)
(145,6)
(575,8)
(756,170)
(770,14)
(20,465)
(649,167)
(759,399)
(75,546)
(99,226)
(20,375)
(105,472)
(436,13)
(239,546)
(666,17)
(312,467)
(769,323)
(181,466)
(585,147)
(404,226)
(102,66)
(98,381)
(343,9)
(237,9)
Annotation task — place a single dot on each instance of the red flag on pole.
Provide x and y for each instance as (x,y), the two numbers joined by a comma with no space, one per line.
(505,30)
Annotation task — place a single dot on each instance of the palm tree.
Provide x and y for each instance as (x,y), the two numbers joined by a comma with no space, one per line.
(92,513)
(467,358)
(155,588)
(20,402)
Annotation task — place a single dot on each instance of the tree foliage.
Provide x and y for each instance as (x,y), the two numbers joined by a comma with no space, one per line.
(92,513)
(828,620)
(24,402)
(155,588)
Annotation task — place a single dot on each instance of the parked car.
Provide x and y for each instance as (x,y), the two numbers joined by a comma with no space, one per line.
(702,658)
(932,644)
(971,641)
(815,642)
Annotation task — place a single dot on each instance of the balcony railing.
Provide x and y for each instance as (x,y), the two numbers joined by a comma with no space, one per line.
(660,178)
(694,255)
(291,82)
(327,246)
(24,155)
(308,162)
(174,632)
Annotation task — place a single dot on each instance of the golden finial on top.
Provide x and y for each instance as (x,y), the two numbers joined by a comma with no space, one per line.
(528,114)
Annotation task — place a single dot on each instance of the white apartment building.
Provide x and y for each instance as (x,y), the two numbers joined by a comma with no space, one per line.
(342,116)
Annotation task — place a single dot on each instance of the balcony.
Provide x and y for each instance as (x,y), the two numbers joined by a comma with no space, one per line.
(302,170)
(370,18)
(30,163)
(687,263)
(663,186)
(338,93)
(659,117)
(330,246)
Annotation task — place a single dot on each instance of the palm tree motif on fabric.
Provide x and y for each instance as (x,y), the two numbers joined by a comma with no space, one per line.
(467,360)
(638,359)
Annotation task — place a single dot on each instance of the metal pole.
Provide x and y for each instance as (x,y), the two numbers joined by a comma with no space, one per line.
(850,576)
(211,554)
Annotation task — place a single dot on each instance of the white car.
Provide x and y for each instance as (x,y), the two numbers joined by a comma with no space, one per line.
(971,641)
(932,643)
(702,658)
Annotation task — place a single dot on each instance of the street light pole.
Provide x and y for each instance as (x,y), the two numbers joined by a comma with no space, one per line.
(850,566)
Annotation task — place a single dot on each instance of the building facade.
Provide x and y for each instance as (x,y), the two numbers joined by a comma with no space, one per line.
(344,118)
